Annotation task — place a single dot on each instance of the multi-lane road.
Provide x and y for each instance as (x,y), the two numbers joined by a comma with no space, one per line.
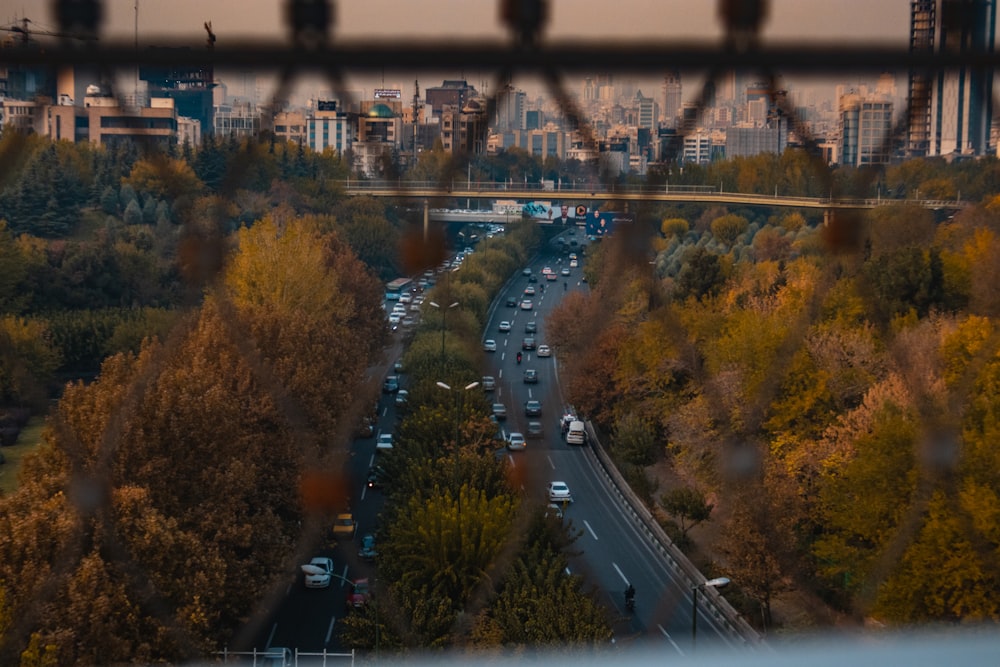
(613,548)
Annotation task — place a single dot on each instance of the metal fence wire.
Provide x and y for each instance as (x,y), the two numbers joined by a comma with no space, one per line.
(312,47)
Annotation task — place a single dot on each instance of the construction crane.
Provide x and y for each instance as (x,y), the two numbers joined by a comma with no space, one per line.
(26,31)
(417,106)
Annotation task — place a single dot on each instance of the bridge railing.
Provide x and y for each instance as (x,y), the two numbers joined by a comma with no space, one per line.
(518,189)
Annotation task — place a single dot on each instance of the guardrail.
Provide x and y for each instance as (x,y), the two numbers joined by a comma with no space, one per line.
(715,603)
(462,189)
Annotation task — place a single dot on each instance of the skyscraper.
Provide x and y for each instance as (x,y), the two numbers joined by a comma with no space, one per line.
(672,99)
(950,111)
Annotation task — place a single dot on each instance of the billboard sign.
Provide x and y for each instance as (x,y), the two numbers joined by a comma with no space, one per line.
(547,212)
(601,223)
(388,94)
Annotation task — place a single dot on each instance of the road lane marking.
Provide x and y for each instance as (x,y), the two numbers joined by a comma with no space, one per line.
(595,537)
(329,630)
(620,573)
(551,464)
(670,639)
(343,577)
(270,637)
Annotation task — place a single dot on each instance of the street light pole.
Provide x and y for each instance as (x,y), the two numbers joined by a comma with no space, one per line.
(458,409)
(718,582)
(444,323)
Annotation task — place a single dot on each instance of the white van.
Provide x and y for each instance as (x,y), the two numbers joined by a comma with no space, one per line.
(576,435)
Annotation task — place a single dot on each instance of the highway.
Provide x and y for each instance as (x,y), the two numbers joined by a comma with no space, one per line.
(612,549)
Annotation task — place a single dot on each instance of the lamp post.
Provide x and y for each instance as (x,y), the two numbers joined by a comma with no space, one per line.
(718,582)
(444,323)
(458,409)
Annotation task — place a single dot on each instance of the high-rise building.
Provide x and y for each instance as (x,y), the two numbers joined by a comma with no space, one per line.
(190,87)
(648,111)
(452,92)
(511,109)
(672,99)
(866,127)
(951,111)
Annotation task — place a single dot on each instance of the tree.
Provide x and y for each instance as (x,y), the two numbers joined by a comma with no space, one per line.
(530,610)
(881,477)
(635,440)
(688,505)
(676,227)
(702,275)
(133,213)
(728,227)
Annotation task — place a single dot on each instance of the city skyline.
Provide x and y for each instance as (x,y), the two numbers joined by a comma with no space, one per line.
(803,20)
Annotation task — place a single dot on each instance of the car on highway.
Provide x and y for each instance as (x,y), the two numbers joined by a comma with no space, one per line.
(317,572)
(543,351)
(384,442)
(376,477)
(390,385)
(558,492)
(533,279)
(554,511)
(531,327)
(565,271)
(500,411)
(359,595)
(533,408)
(367,550)
(530,376)
(529,291)
(534,430)
(573,264)
(516,441)
(504,326)
(546,270)
(528,343)
(526,271)
(527,304)
(511,302)
(344,526)
(489,345)
(488,383)
(402,397)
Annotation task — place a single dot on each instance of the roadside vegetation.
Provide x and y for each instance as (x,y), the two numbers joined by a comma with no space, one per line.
(837,400)
(214,312)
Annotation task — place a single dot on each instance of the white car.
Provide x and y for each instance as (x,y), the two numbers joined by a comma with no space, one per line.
(543,351)
(384,443)
(527,305)
(505,326)
(516,441)
(318,572)
(559,493)
(489,345)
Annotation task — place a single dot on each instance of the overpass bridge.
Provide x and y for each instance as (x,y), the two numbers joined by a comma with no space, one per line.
(577,192)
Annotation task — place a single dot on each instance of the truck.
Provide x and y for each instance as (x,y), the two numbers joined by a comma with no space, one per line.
(576,434)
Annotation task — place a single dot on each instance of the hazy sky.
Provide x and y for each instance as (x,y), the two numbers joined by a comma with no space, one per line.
(835,20)
(803,19)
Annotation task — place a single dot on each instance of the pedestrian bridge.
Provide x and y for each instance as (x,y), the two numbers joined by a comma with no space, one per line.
(578,192)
